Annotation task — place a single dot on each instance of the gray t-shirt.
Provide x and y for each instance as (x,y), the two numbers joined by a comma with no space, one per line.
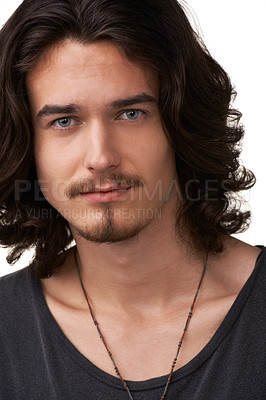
(37,361)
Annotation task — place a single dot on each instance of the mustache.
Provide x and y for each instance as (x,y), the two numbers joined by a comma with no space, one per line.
(90,185)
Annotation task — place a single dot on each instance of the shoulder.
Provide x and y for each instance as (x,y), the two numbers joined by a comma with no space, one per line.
(258,276)
(9,284)
(240,262)
(261,259)
(15,292)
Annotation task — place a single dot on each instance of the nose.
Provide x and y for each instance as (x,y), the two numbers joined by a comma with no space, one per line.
(101,152)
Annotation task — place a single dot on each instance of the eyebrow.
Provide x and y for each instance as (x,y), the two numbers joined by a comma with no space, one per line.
(48,110)
(130,101)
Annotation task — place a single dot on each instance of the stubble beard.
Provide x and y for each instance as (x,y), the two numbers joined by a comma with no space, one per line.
(108,230)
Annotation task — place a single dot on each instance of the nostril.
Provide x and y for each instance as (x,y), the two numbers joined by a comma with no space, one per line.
(101,168)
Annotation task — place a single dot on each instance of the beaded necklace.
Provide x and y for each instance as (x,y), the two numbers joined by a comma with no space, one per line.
(179,344)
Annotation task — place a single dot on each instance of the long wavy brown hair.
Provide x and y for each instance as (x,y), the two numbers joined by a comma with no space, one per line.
(194,100)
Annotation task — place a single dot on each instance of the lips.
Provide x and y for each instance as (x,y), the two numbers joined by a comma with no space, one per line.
(106,194)
(106,189)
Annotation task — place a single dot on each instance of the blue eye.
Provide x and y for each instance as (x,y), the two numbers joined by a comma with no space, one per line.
(64,123)
(131,114)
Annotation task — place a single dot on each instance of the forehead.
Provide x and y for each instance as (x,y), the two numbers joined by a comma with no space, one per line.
(97,68)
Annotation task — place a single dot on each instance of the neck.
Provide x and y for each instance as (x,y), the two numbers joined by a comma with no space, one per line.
(145,274)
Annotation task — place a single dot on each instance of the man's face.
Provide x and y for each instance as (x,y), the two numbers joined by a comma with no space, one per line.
(102,157)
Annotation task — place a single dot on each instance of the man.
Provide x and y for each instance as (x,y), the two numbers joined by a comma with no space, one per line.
(116,132)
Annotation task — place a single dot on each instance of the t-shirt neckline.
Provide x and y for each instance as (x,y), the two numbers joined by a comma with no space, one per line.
(88,367)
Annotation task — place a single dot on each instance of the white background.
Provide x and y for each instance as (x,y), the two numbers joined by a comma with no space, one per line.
(235,33)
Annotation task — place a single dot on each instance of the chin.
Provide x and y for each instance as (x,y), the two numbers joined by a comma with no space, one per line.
(109,232)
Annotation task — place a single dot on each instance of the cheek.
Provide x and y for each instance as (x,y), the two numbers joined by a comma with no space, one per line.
(53,161)
(162,158)
(53,174)
(46,163)
(158,169)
